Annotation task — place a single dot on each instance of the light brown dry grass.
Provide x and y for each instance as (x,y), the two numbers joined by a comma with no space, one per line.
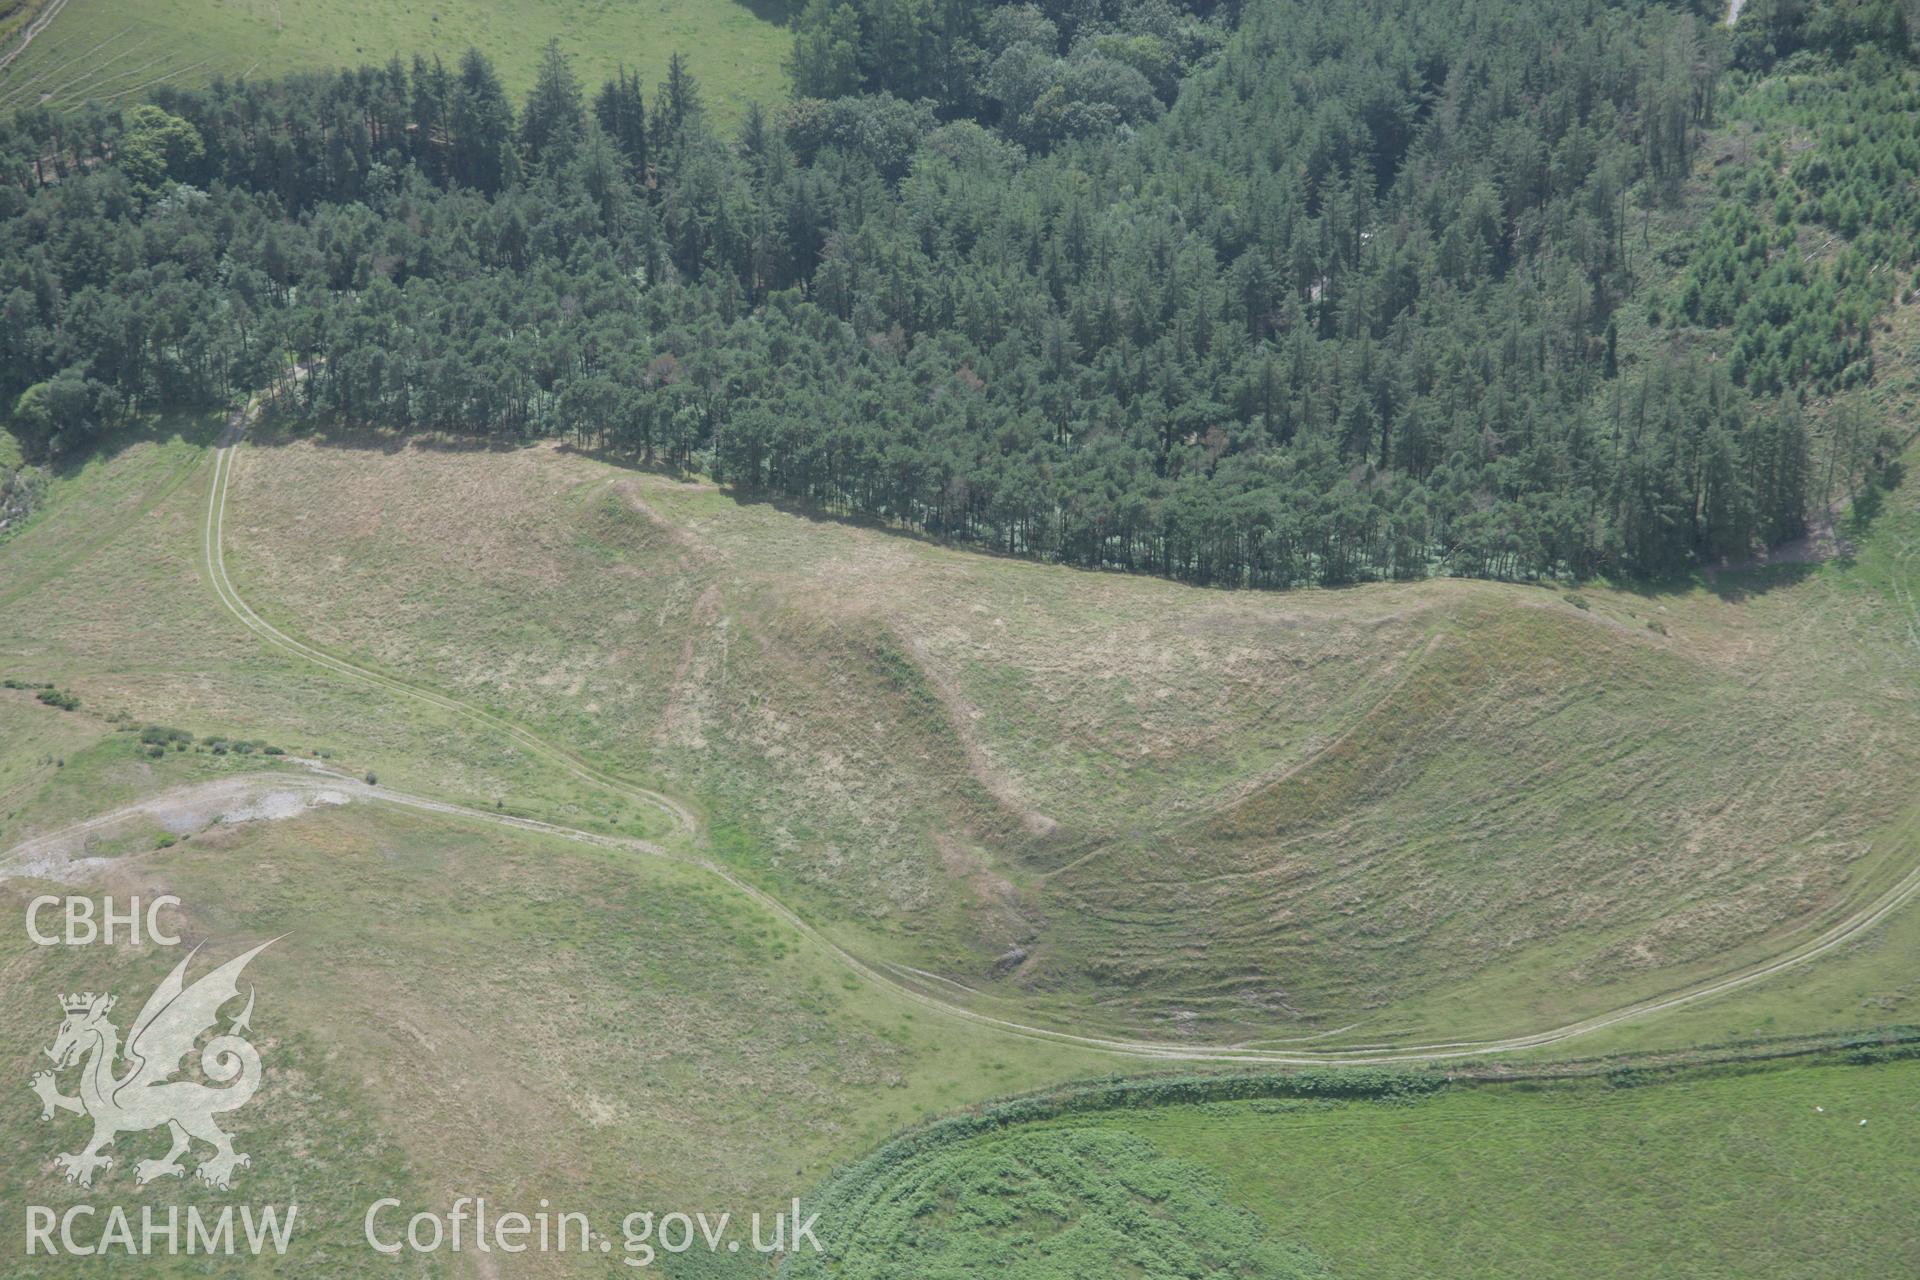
(1200,809)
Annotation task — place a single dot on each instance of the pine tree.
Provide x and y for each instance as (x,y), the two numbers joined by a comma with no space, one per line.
(550,128)
(620,109)
(825,62)
(482,123)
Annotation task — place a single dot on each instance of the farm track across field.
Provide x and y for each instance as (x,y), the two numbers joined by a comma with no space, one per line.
(48,12)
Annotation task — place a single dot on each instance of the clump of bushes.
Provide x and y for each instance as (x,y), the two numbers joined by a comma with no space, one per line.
(242,746)
(59,698)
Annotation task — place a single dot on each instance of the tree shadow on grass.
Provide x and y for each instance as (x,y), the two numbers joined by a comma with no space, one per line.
(1732,584)
(273,434)
(1833,542)
(1737,585)
(627,462)
(194,426)
(813,513)
(777,12)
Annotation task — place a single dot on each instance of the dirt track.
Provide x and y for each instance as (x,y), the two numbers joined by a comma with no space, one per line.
(249,797)
(47,14)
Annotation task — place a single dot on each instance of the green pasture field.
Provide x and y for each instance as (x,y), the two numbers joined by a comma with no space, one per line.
(113,50)
(1742,1173)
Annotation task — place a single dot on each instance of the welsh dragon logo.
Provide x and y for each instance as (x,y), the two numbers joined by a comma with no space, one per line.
(144,1094)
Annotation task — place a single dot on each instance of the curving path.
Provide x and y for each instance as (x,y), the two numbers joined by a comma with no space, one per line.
(1852,926)
(213,534)
(47,14)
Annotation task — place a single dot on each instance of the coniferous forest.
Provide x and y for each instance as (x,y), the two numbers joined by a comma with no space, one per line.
(1262,293)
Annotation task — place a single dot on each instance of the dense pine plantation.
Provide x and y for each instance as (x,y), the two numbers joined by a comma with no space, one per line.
(1261,293)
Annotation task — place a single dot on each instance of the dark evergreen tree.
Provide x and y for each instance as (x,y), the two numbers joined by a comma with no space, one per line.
(551,125)
(481,121)
(620,110)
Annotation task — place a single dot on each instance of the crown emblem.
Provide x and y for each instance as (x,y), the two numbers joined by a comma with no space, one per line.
(82,1002)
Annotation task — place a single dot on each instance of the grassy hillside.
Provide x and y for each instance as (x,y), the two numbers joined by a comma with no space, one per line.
(112,51)
(1446,803)
(1724,1176)
(457,1007)
(1377,813)
(101,589)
